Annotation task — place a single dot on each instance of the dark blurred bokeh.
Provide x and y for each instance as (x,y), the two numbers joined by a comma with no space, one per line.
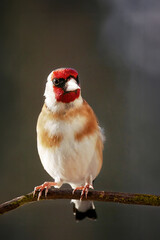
(115,47)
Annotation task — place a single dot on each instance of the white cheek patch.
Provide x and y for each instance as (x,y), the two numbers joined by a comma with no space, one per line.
(49,94)
(49,89)
(72,85)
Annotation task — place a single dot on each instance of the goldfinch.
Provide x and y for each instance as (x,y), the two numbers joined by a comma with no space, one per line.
(69,139)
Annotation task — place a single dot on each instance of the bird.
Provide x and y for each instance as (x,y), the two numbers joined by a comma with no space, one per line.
(69,139)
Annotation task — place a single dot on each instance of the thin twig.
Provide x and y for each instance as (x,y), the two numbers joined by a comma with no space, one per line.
(116,197)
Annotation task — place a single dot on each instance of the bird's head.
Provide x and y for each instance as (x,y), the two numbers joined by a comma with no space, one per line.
(62,87)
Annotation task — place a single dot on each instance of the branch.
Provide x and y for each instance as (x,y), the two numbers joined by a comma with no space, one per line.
(116,197)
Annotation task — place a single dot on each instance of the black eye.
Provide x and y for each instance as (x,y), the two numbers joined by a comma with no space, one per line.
(57,81)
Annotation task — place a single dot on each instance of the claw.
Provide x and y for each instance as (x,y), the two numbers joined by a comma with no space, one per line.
(45,186)
(84,190)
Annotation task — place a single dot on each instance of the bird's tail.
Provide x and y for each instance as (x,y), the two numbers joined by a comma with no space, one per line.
(83,209)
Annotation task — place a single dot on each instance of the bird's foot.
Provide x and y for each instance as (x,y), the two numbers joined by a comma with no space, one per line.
(84,190)
(45,186)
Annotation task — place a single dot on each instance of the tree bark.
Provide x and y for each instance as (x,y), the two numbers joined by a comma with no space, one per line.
(116,197)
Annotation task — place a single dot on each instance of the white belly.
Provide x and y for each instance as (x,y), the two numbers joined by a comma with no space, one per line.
(73,161)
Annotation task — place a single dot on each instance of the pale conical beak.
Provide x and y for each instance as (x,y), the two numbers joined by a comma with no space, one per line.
(71,85)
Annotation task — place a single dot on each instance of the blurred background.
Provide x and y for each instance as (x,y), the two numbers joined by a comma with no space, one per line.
(115,47)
